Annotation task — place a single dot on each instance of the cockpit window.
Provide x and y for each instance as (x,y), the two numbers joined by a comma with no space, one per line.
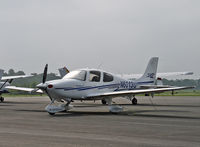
(78,75)
(107,77)
(95,76)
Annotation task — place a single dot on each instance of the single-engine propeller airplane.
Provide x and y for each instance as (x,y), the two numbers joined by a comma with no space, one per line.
(7,81)
(63,71)
(95,84)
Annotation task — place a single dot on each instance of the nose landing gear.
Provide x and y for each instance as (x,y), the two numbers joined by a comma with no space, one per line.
(52,108)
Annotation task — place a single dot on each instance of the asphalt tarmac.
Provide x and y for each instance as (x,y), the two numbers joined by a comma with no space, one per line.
(161,121)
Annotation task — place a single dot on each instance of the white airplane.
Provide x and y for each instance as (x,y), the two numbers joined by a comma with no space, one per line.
(94,84)
(7,81)
(63,71)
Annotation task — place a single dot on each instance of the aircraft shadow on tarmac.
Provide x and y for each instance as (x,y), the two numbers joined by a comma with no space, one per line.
(137,113)
(160,105)
(5,105)
(25,110)
(126,112)
(14,102)
(132,114)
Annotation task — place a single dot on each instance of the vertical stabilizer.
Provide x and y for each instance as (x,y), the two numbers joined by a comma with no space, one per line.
(63,71)
(1,73)
(149,77)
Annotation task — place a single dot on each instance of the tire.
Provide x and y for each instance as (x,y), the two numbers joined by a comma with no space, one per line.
(103,101)
(134,101)
(51,113)
(2,99)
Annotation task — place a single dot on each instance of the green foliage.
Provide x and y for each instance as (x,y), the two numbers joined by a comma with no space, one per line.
(11,72)
(181,93)
(183,82)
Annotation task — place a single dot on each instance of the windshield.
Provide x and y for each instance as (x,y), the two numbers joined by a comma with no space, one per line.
(78,75)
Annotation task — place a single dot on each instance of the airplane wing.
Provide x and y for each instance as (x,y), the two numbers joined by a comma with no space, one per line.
(135,92)
(31,90)
(15,77)
(155,86)
(167,74)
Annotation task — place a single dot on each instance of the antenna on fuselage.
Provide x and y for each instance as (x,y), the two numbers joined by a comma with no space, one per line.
(99,67)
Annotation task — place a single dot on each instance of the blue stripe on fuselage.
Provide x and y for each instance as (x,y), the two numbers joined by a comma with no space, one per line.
(116,86)
(89,87)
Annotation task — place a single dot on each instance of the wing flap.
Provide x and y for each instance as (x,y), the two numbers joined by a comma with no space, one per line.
(175,74)
(155,86)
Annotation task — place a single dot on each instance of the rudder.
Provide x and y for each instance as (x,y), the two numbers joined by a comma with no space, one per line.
(150,72)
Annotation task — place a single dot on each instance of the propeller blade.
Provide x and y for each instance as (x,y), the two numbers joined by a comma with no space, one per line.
(45,74)
(44,86)
(48,94)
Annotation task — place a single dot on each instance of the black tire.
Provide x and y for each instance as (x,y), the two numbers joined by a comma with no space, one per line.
(51,113)
(2,99)
(103,102)
(134,101)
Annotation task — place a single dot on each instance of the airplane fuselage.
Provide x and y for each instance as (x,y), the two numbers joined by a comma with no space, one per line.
(82,89)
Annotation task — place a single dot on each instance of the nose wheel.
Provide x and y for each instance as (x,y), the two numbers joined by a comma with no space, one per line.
(134,101)
(52,108)
(1,99)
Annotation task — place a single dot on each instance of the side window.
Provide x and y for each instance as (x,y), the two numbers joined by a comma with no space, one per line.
(95,76)
(107,77)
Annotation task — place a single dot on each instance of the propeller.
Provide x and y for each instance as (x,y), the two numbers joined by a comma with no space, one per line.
(43,85)
(45,74)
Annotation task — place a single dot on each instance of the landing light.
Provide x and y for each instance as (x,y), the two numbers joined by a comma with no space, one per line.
(50,86)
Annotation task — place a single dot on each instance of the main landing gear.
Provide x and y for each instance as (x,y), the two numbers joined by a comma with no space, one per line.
(134,101)
(114,108)
(1,99)
(103,101)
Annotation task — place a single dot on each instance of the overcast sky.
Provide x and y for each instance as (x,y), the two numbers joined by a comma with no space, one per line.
(119,35)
